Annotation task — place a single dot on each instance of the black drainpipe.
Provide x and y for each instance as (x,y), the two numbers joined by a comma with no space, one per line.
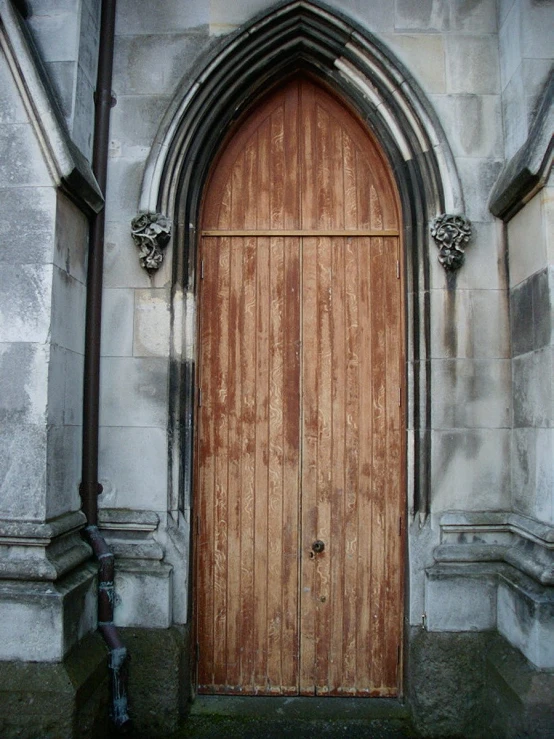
(90,488)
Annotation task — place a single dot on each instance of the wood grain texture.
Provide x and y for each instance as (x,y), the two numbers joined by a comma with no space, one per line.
(300,433)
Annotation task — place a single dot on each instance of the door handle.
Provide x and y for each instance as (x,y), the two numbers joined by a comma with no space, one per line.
(318,546)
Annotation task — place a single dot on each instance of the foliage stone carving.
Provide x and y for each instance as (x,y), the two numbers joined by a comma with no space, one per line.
(451,234)
(151,233)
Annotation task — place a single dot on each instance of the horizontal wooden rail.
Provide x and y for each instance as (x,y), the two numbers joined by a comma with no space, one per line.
(300,232)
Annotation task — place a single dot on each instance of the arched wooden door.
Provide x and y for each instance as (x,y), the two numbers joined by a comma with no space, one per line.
(300,456)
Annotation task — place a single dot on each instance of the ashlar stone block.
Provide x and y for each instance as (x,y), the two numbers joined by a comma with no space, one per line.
(509,41)
(22,163)
(40,622)
(23,383)
(473,123)
(471,393)
(22,471)
(161,16)
(140,69)
(25,302)
(28,215)
(117,322)
(533,473)
(472,64)
(133,468)
(469,324)
(533,389)
(152,323)
(470,469)
(134,392)
(527,241)
(478,177)
(423,55)
(460,598)
(526,619)
(144,594)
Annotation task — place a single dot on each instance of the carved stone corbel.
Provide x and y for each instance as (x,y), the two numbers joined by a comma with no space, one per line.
(151,233)
(451,234)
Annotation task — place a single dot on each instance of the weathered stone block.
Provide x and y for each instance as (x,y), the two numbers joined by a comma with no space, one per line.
(474,124)
(423,55)
(133,468)
(536,29)
(121,260)
(543,308)
(424,15)
(533,473)
(71,239)
(522,325)
(26,301)
(12,109)
(23,383)
(22,163)
(22,471)
(526,242)
(532,389)
(472,64)
(152,323)
(144,594)
(470,469)
(526,618)
(509,41)
(485,264)
(124,180)
(62,76)
(160,16)
(445,688)
(56,32)
(134,392)
(159,678)
(28,215)
(41,622)
(461,598)
(478,177)
(135,120)
(469,323)
(73,393)
(141,69)
(471,393)
(518,698)
(68,311)
(82,127)
(117,322)
(60,700)
(63,470)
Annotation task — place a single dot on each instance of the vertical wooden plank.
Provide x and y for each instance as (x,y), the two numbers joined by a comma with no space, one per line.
(378,457)
(291,440)
(337,467)
(323,493)
(351,597)
(310,431)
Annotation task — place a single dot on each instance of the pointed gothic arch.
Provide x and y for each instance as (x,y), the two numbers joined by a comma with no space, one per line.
(302,35)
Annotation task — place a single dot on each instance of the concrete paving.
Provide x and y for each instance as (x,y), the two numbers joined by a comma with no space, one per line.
(212,717)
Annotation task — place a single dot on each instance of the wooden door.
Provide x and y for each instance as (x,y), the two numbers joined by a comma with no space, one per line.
(300,456)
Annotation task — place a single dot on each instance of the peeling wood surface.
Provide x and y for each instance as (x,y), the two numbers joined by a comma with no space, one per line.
(301,435)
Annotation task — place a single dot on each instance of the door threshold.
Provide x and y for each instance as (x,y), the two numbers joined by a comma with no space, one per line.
(299,707)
